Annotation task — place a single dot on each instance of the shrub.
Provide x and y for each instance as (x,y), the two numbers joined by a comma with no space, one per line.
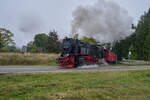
(27,59)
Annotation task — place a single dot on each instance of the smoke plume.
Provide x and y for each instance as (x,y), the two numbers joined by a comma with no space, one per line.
(104,21)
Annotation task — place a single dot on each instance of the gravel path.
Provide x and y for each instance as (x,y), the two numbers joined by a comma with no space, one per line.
(54,69)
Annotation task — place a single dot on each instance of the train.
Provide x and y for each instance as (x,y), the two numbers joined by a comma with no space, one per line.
(76,53)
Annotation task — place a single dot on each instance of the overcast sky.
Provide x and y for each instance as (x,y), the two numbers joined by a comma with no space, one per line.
(25,18)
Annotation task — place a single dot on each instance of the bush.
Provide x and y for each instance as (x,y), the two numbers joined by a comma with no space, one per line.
(4,50)
(27,59)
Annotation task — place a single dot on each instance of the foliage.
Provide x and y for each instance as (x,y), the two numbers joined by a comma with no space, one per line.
(4,50)
(40,41)
(33,47)
(30,44)
(138,43)
(121,48)
(11,48)
(117,50)
(5,37)
(121,85)
(141,43)
(53,45)
(89,40)
(146,46)
(45,43)
(76,36)
(132,50)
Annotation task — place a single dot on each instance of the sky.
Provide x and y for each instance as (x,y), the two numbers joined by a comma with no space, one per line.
(25,18)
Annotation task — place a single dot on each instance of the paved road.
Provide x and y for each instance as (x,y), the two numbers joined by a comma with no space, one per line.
(41,69)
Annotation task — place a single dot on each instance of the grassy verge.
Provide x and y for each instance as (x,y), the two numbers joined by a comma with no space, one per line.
(28,59)
(125,85)
(121,64)
(131,65)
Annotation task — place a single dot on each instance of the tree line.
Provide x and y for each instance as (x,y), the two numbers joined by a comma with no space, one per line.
(45,43)
(138,43)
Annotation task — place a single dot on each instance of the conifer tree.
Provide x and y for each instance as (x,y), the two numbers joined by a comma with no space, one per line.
(142,32)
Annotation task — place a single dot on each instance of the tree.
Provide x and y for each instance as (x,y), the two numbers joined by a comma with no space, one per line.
(89,40)
(5,38)
(142,33)
(40,41)
(133,54)
(146,46)
(122,47)
(53,45)
(76,36)
(138,42)
(31,47)
(117,50)
(34,49)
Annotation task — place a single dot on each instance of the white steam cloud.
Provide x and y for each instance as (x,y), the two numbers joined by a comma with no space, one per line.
(104,21)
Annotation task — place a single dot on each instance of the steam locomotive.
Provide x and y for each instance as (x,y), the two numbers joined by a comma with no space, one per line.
(77,53)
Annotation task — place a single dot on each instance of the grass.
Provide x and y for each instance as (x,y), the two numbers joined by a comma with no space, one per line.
(125,85)
(121,64)
(131,65)
(28,59)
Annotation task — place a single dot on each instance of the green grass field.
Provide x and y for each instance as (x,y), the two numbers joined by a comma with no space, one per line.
(125,85)
(28,59)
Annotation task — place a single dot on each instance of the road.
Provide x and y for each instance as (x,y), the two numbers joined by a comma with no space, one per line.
(4,70)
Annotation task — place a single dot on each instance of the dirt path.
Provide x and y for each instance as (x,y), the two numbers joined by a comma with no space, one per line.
(42,69)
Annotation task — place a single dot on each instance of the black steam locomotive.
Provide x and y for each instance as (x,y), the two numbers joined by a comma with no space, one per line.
(77,53)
